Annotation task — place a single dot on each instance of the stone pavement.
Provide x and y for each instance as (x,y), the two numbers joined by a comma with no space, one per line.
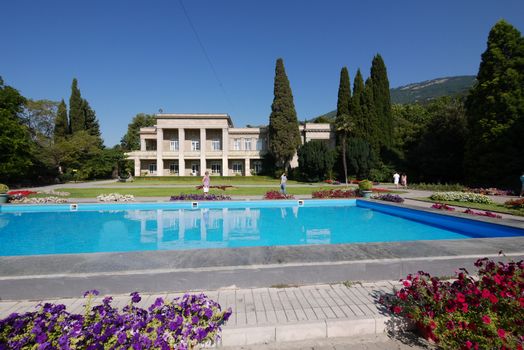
(279,314)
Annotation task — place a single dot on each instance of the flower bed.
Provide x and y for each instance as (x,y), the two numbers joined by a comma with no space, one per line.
(492,191)
(482,213)
(183,323)
(441,206)
(20,193)
(468,313)
(335,194)
(200,197)
(277,195)
(219,187)
(461,197)
(515,203)
(395,198)
(380,190)
(332,182)
(115,197)
(41,200)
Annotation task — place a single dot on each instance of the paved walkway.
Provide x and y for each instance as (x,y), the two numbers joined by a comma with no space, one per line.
(286,314)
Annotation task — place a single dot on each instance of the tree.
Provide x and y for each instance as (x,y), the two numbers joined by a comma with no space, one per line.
(357,102)
(382,100)
(284,136)
(360,157)
(131,140)
(39,117)
(343,122)
(91,123)
(15,141)
(371,125)
(61,123)
(495,110)
(315,160)
(77,119)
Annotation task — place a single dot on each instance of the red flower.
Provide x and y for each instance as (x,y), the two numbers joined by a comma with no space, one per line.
(493,299)
(485,293)
(397,309)
(501,333)
(461,298)
(469,344)
(406,283)
(432,324)
(464,307)
(486,319)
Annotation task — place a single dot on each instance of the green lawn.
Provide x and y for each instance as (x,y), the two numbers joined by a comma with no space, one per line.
(197,180)
(487,207)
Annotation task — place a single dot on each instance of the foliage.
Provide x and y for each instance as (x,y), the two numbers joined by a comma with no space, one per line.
(395,198)
(437,187)
(441,206)
(61,122)
(200,197)
(284,137)
(4,188)
(76,112)
(461,197)
(39,117)
(382,101)
(131,140)
(91,123)
(183,323)
(315,160)
(468,313)
(365,185)
(492,191)
(482,213)
(361,157)
(335,193)
(277,195)
(515,203)
(218,187)
(495,110)
(343,121)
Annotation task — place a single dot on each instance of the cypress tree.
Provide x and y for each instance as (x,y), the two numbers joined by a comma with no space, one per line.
(76,111)
(382,100)
(61,123)
(284,136)
(342,120)
(357,104)
(371,124)
(91,122)
(495,112)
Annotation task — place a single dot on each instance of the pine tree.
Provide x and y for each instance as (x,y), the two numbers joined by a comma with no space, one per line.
(357,104)
(61,123)
(76,111)
(91,123)
(284,136)
(343,120)
(382,100)
(495,111)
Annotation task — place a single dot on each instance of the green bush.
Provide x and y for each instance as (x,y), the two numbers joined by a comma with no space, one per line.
(3,188)
(436,187)
(461,197)
(365,185)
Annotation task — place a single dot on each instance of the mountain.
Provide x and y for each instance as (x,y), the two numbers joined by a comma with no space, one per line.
(422,92)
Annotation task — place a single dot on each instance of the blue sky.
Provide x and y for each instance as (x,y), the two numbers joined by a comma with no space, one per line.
(141,56)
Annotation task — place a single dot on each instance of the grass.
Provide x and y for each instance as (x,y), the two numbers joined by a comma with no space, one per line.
(500,208)
(170,191)
(197,180)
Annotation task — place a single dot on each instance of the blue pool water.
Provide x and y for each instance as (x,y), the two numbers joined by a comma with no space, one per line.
(121,228)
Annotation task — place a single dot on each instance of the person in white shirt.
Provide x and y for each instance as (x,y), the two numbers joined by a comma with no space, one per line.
(396,178)
(283,181)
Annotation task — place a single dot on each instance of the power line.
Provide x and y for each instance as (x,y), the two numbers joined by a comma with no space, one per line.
(206,55)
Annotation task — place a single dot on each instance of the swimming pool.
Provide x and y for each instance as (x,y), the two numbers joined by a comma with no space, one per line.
(92,228)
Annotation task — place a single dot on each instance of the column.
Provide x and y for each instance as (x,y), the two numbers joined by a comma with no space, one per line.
(181,161)
(225,150)
(137,166)
(247,171)
(142,144)
(159,152)
(202,151)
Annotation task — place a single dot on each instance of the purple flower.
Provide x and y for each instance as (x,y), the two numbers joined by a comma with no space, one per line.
(135,297)
(91,292)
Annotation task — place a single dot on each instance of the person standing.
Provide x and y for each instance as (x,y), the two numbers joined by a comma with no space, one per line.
(283,182)
(522,183)
(404,180)
(396,178)
(206,181)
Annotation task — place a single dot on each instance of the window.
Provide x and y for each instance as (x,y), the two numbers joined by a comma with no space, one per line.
(237,168)
(215,145)
(150,145)
(260,144)
(257,167)
(236,144)
(173,145)
(195,145)
(173,168)
(152,168)
(216,168)
(247,144)
(195,167)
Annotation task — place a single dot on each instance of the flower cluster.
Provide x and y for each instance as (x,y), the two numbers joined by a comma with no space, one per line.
(461,197)
(115,197)
(332,182)
(335,194)
(277,195)
(41,200)
(515,203)
(441,206)
(179,324)
(492,191)
(19,194)
(395,198)
(483,213)
(467,313)
(219,187)
(200,197)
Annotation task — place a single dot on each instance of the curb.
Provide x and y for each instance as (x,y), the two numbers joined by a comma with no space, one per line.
(331,328)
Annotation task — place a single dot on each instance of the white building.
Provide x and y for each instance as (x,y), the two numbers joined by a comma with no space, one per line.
(190,144)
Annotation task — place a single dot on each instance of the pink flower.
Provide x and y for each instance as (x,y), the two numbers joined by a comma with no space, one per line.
(397,309)
(501,333)
(461,298)
(485,293)
(406,283)
(469,344)
(486,319)
(464,307)
(493,299)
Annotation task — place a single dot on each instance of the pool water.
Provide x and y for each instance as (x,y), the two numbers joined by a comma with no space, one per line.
(135,229)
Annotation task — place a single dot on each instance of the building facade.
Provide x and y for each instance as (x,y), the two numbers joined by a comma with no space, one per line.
(191,144)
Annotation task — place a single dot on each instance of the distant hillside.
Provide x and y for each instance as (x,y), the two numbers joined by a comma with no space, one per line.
(422,92)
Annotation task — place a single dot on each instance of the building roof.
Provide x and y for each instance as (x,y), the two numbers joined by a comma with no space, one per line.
(195,116)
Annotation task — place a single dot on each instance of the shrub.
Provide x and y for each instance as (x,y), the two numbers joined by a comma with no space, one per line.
(461,197)
(468,313)
(335,194)
(200,197)
(515,203)
(183,323)
(389,198)
(277,195)
(115,197)
(492,191)
(365,185)
(437,187)
(3,188)
(219,187)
